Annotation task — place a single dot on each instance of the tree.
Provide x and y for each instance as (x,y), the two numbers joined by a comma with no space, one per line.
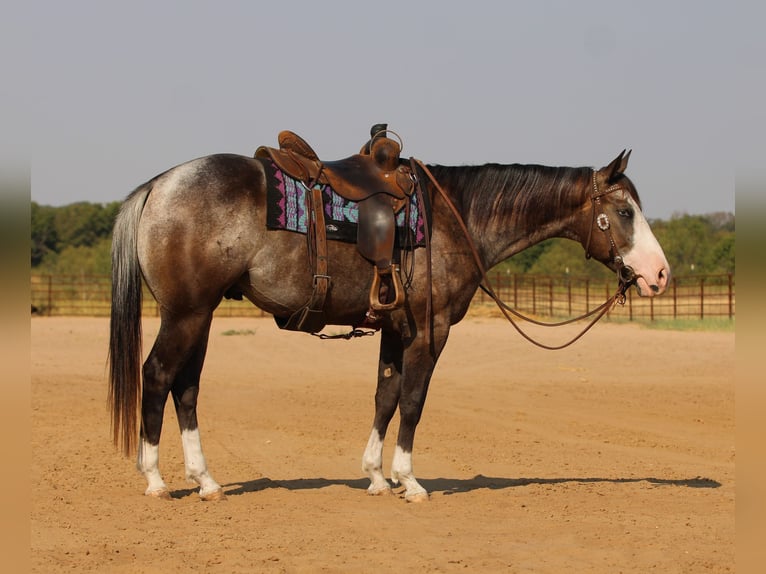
(81,227)
(83,260)
(686,240)
(522,262)
(566,257)
(721,256)
(83,223)
(44,235)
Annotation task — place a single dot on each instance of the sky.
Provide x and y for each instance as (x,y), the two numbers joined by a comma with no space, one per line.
(114,93)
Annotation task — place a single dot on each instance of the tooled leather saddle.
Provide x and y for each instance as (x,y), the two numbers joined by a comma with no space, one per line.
(380,183)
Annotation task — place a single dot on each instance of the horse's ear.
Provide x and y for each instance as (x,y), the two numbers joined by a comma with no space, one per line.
(624,162)
(617,167)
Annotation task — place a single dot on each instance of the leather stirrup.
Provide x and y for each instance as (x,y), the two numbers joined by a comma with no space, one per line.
(398,301)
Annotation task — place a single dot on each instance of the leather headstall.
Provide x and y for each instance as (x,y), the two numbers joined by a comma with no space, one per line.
(625,274)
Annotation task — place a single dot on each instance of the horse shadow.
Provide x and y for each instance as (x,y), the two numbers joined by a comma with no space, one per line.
(447,486)
(455,486)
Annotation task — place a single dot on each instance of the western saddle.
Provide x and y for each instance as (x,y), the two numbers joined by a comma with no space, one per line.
(380,183)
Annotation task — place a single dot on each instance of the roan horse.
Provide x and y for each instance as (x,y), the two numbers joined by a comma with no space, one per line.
(198,231)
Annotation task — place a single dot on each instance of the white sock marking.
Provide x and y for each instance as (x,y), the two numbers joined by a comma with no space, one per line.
(372,464)
(194,461)
(148,465)
(401,472)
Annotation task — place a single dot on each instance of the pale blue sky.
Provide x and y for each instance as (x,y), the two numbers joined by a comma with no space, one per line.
(116,92)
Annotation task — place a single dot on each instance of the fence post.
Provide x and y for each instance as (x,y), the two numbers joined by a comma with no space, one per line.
(50,295)
(731,298)
(569,296)
(587,295)
(534,296)
(702,297)
(550,297)
(675,297)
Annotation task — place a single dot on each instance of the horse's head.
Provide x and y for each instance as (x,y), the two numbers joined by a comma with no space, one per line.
(618,234)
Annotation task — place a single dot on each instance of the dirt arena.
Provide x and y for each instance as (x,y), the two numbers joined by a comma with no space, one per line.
(614,455)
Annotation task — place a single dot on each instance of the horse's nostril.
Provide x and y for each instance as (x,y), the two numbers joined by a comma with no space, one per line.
(654,288)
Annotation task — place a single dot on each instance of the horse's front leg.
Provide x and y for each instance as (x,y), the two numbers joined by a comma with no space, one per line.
(419,362)
(386,399)
(403,377)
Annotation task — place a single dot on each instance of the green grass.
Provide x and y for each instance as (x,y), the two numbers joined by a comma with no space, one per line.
(720,324)
(233,332)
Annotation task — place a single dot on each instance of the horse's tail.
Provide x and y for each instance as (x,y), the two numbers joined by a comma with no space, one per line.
(125,323)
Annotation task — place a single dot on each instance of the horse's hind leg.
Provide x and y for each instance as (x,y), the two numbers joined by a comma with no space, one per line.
(185,391)
(179,348)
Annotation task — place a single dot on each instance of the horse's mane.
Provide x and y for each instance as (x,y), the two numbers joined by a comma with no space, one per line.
(541,193)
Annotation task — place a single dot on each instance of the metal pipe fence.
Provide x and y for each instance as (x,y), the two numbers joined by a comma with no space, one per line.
(688,297)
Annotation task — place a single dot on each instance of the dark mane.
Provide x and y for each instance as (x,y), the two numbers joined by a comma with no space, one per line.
(490,191)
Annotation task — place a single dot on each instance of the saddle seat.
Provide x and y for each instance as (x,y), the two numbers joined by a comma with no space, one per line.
(377,180)
(355,178)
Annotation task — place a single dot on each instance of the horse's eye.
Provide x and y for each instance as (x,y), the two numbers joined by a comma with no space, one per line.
(626,213)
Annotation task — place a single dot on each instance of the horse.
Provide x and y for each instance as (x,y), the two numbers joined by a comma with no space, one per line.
(197,233)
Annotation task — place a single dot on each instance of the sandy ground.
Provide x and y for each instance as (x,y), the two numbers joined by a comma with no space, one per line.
(615,455)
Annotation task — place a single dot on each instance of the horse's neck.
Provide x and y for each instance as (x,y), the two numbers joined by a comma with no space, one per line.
(508,208)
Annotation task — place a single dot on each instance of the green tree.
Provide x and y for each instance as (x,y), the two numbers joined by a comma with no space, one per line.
(522,262)
(698,243)
(44,236)
(686,240)
(721,256)
(565,257)
(83,223)
(72,235)
(83,260)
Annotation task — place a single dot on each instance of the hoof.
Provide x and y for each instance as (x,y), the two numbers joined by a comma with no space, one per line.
(417,497)
(162,494)
(382,491)
(215,495)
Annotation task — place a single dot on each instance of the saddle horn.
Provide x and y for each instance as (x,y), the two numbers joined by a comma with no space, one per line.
(377,130)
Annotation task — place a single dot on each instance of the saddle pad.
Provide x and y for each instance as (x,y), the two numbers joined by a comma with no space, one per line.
(286,210)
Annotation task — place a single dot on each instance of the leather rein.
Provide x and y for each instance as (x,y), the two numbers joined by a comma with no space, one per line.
(625,274)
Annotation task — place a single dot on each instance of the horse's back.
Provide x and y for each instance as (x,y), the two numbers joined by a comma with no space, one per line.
(213,178)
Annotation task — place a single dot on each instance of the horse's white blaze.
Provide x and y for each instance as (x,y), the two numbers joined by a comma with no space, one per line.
(148,465)
(194,461)
(401,473)
(646,257)
(372,464)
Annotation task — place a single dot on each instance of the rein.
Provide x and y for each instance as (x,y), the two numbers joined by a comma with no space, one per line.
(625,274)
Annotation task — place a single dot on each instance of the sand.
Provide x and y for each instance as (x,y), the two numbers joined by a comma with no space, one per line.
(614,455)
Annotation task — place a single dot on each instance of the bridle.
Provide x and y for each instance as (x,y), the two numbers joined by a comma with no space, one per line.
(625,273)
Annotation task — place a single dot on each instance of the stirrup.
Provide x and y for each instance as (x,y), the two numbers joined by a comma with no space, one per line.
(375,289)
